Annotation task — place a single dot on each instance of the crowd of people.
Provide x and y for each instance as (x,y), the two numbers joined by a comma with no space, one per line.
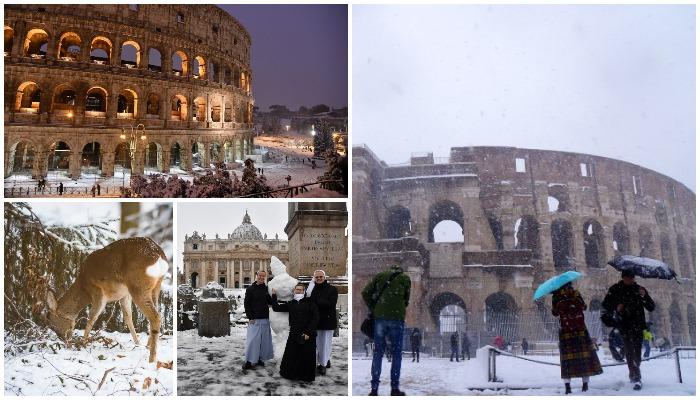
(312,321)
(387,296)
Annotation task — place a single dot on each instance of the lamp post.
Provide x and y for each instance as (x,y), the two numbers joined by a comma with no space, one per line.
(138,133)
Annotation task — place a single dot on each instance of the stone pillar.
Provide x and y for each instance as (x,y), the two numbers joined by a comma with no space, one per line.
(41,162)
(116,57)
(164,110)
(207,116)
(164,165)
(137,164)
(205,160)
(111,113)
(108,164)
(18,39)
(52,48)
(166,60)
(186,158)
(240,273)
(74,164)
(144,56)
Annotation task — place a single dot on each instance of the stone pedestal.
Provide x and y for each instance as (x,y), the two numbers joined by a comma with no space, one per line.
(317,238)
(213,318)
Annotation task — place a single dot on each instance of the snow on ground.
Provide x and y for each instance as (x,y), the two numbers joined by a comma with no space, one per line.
(213,367)
(439,376)
(72,372)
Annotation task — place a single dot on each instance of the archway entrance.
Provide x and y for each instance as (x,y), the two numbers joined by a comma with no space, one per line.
(446,223)
(194,280)
(21,158)
(91,159)
(59,157)
(501,315)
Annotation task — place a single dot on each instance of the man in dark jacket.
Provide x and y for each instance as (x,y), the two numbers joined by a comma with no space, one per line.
(629,300)
(325,296)
(525,346)
(454,346)
(387,298)
(298,361)
(415,344)
(258,343)
(466,346)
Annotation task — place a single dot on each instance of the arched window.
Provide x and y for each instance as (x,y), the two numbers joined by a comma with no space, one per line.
(69,47)
(101,50)
(153,105)
(36,43)
(155,60)
(91,159)
(178,108)
(199,68)
(199,109)
(9,40)
(127,104)
(594,244)
(621,239)
(131,54)
(28,98)
(558,198)
(646,242)
(562,244)
(179,63)
(446,223)
(398,223)
(527,234)
(96,100)
(665,247)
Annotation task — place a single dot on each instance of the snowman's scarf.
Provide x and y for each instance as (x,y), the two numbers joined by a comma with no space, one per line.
(310,288)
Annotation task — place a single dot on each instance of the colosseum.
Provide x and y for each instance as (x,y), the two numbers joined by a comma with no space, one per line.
(521,216)
(90,89)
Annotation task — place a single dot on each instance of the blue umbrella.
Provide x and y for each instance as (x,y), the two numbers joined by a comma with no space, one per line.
(552,284)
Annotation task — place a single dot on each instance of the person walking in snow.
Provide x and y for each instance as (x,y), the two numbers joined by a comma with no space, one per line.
(630,300)
(465,346)
(525,346)
(454,346)
(577,354)
(648,338)
(387,297)
(258,342)
(498,342)
(415,344)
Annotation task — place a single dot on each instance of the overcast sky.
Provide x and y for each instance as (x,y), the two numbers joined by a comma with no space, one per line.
(614,81)
(223,218)
(299,53)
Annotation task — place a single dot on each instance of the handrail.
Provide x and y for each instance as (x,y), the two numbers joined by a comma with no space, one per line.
(493,351)
(292,190)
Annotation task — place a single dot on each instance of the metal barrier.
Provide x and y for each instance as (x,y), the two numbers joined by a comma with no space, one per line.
(494,351)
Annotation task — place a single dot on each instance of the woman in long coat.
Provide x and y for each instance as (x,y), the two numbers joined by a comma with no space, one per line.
(299,359)
(577,353)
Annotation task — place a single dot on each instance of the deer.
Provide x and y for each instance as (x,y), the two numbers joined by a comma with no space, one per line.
(126,270)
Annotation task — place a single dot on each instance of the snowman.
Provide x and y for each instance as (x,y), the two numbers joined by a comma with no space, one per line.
(283,284)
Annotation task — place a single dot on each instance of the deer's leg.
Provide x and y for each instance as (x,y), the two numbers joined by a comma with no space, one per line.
(145,302)
(125,304)
(96,307)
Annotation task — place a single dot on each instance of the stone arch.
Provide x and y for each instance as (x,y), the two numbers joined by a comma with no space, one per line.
(199,68)
(683,263)
(176,154)
(127,103)
(594,244)
(199,109)
(621,239)
(130,54)
(28,98)
(155,59)
(676,318)
(36,43)
(152,105)
(179,63)
(215,154)
(646,242)
(69,46)
(58,156)
(562,244)
(153,156)
(122,157)
(501,314)
(198,156)
(9,39)
(96,100)
(178,108)
(448,312)
(194,279)
(21,159)
(91,158)
(216,108)
(665,247)
(527,234)
(441,211)
(101,50)
(558,198)
(496,229)
(691,323)
(64,98)
(398,223)
(227,75)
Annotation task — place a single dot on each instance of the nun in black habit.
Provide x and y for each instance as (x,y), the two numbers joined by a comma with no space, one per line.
(299,359)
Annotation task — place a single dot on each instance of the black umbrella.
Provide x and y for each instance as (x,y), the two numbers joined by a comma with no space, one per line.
(643,266)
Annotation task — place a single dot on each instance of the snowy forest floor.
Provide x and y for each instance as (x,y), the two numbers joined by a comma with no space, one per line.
(213,367)
(79,372)
(439,376)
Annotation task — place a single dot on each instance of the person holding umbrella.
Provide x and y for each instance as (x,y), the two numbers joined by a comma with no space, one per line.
(629,300)
(577,354)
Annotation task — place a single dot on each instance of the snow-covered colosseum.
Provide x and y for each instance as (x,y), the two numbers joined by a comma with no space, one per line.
(81,79)
(521,216)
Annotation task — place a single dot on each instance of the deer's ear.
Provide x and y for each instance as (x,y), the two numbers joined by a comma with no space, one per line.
(51,300)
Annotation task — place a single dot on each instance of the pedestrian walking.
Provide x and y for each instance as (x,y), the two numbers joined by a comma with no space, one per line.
(454,346)
(416,340)
(387,298)
(629,300)
(60,189)
(92,191)
(498,342)
(98,189)
(577,354)
(466,345)
(525,346)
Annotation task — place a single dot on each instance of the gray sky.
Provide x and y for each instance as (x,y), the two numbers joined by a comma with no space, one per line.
(223,218)
(614,81)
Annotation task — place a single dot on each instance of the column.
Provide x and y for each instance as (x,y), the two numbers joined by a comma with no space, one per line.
(165,161)
(74,163)
(144,56)
(108,164)
(206,161)
(111,109)
(116,59)
(137,162)
(166,60)
(18,39)
(240,273)
(208,110)
(52,48)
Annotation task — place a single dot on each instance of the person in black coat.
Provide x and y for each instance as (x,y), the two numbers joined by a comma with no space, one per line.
(629,300)
(454,346)
(415,344)
(325,296)
(299,359)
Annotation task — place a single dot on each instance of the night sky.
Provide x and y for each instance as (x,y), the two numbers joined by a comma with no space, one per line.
(299,53)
